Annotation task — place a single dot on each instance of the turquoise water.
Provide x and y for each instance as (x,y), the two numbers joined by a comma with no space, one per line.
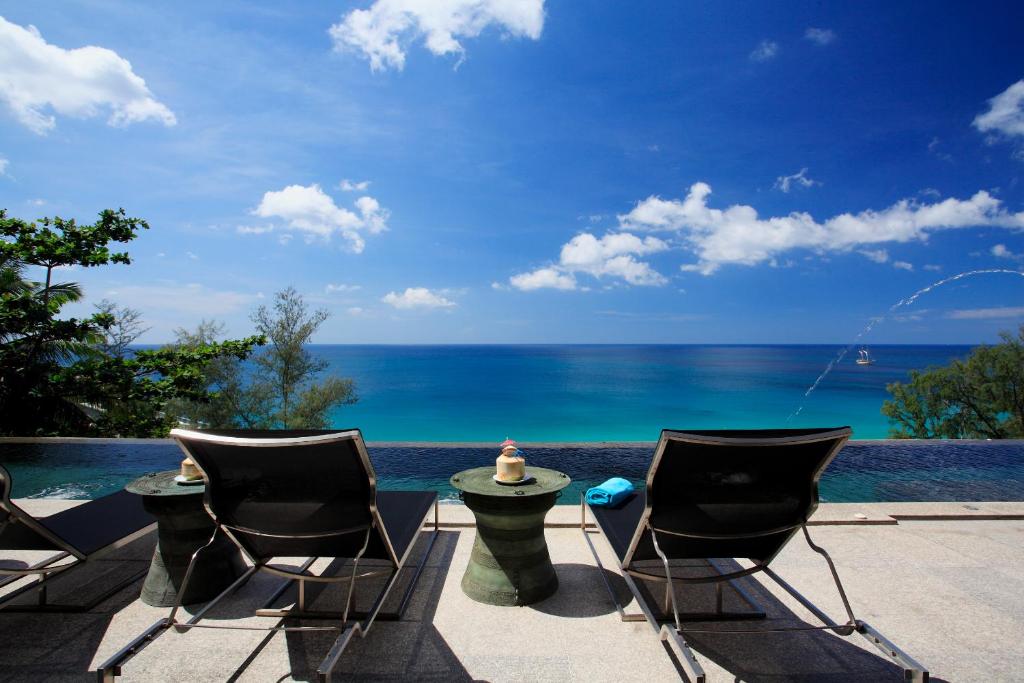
(587,394)
(612,393)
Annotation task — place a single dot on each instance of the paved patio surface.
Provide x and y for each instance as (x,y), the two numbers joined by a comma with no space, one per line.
(942,580)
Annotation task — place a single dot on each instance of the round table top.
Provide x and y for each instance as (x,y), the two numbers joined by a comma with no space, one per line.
(163,484)
(480,481)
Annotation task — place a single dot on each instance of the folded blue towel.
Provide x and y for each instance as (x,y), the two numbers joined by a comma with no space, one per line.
(610,493)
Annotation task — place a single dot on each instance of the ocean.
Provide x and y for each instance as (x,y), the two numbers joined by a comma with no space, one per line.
(613,393)
(578,395)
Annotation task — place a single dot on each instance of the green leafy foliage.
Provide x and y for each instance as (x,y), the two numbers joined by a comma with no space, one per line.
(75,376)
(222,377)
(282,388)
(283,393)
(981,397)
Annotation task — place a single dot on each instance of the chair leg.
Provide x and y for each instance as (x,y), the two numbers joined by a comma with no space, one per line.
(326,667)
(687,659)
(111,668)
(912,669)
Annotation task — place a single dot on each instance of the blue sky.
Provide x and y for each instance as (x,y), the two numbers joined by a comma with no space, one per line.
(531,171)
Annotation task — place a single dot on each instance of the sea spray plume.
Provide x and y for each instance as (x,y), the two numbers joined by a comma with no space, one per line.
(892,309)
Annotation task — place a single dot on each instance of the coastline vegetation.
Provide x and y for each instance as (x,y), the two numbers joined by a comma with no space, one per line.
(80,376)
(280,390)
(981,397)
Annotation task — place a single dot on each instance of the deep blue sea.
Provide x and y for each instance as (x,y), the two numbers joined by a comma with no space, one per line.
(588,394)
(613,393)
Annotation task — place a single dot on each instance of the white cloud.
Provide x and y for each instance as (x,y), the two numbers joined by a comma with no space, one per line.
(549,278)
(36,202)
(737,235)
(37,77)
(1005,114)
(383,32)
(342,288)
(253,229)
(310,210)
(417,297)
(987,313)
(4,163)
(766,50)
(612,255)
(933,147)
(375,219)
(903,265)
(932,267)
(1001,251)
(190,300)
(192,256)
(347,185)
(284,239)
(876,255)
(354,311)
(820,36)
(786,182)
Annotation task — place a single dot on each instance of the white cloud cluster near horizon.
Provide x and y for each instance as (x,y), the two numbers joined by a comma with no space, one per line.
(310,210)
(341,288)
(785,183)
(347,185)
(417,297)
(613,255)
(876,255)
(1002,251)
(1005,115)
(190,299)
(882,256)
(383,32)
(820,36)
(737,235)
(765,51)
(37,78)
(996,313)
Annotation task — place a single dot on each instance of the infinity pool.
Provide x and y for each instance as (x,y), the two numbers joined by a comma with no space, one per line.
(864,471)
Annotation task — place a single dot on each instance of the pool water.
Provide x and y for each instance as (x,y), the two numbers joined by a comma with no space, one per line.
(865,471)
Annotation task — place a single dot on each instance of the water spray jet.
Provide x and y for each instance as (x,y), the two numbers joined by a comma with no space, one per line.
(892,309)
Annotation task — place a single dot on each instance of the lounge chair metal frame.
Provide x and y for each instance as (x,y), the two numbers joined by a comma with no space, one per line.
(912,670)
(48,568)
(111,668)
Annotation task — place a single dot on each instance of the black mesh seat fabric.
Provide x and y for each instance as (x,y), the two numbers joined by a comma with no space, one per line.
(303,493)
(99,523)
(724,494)
(737,494)
(401,512)
(83,529)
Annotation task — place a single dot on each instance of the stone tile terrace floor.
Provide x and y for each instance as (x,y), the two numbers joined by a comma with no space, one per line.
(943,581)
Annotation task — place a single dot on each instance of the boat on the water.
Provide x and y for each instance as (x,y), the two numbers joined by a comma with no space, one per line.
(864,358)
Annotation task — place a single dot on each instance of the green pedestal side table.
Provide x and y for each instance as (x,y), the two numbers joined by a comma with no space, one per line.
(509,564)
(183,526)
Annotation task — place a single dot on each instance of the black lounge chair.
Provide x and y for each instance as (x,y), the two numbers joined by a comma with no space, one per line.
(715,495)
(308,494)
(84,532)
